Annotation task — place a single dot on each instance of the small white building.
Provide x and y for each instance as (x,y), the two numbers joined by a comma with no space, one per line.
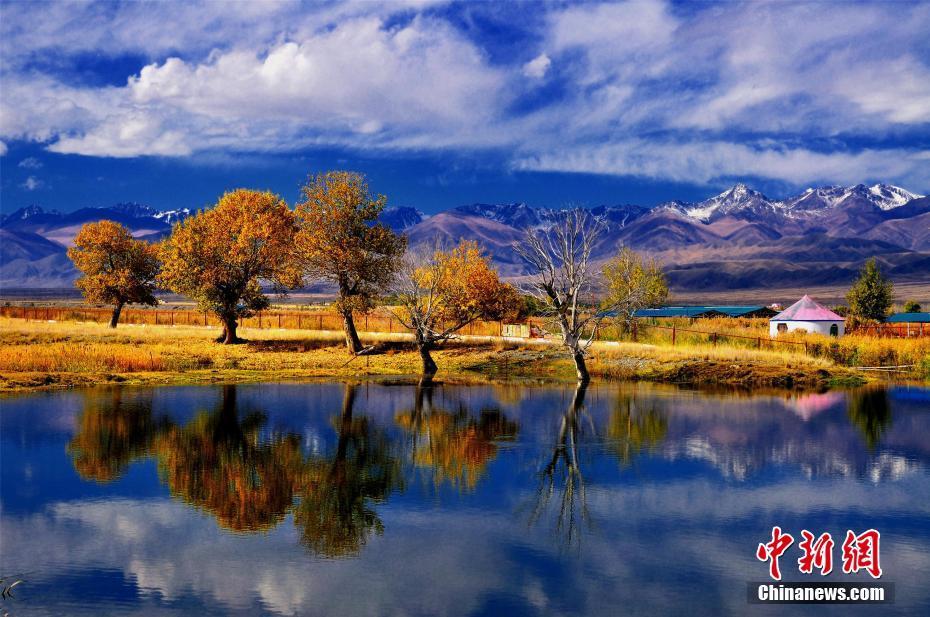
(809,315)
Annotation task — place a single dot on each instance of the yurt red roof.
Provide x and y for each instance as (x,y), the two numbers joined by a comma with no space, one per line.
(807,309)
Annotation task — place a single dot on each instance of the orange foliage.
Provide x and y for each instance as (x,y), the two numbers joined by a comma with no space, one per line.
(218,256)
(117,269)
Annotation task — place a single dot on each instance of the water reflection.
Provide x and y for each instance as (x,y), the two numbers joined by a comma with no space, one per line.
(562,477)
(226,499)
(225,461)
(870,411)
(455,445)
(636,425)
(336,514)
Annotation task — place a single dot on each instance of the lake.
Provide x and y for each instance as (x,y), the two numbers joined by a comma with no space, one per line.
(331,499)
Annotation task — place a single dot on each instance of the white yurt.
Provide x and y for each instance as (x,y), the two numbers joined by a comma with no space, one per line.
(809,315)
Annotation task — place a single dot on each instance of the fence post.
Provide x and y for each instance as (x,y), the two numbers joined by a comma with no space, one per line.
(759,343)
(713,337)
(805,347)
(635,332)
(172,317)
(673,336)
(279,321)
(319,319)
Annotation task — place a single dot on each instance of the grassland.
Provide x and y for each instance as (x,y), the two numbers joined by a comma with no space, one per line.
(41,355)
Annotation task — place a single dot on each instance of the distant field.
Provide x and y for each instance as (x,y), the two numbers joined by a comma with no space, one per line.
(827,294)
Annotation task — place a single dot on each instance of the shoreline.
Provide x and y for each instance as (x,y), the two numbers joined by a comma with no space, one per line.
(39,356)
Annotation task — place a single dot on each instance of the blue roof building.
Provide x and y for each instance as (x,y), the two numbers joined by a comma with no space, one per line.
(695,312)
(909,318)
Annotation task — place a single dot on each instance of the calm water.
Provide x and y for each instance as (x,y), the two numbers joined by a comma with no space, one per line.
(326,499)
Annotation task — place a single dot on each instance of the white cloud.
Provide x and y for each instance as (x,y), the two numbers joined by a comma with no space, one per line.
(32,183)
(30,163)
(706,161)
(537,67)
(3,148)
(710,82)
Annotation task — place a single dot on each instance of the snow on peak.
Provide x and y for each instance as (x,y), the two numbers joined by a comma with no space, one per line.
(888,197)
(735,198)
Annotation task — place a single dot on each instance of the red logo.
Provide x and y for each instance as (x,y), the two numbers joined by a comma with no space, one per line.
(771,551)
(860,552)
(817,553)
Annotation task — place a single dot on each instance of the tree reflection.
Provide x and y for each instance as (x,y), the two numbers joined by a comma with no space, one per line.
(111,434)
(562,474)
(456,446)
(633,429)
(870,411)
(218,464)
(334,515)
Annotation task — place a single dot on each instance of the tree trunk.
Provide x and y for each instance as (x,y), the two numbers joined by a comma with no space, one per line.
(229,329)
(580,367)
(352,341)
(116,311)
(429,367)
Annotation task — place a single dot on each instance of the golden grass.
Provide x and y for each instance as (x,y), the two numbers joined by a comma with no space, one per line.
(854,350)
(45,354)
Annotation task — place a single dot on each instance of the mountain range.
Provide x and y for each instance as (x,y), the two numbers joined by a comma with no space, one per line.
(737,240)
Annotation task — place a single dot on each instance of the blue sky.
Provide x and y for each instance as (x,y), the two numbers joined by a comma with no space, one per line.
(441,103)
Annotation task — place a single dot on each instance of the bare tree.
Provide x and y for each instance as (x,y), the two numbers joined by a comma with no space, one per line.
(563,276)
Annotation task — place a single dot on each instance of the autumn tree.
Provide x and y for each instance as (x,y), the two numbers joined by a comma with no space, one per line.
(117,269)
(562,278)
(632,282)
(872,295)
(439,292)
(341,241)
(221,256)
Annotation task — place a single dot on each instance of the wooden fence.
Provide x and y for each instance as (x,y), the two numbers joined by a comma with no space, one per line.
(380,321)
(893,330)
(376,321)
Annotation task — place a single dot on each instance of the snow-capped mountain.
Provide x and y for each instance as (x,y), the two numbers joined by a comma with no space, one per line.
(743,202)
(738,199)
(738,239)
(883,196)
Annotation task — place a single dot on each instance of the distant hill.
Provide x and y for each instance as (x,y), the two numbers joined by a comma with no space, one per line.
(34,241)
(737,240)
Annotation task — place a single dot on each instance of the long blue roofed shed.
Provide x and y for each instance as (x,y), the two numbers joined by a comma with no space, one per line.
(909,318)
(694,312)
